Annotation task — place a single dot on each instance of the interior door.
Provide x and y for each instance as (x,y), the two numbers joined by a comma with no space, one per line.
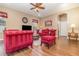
(63,28)
(63,25)
(2,27)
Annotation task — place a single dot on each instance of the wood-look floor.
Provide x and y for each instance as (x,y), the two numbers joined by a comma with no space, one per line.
(63,47)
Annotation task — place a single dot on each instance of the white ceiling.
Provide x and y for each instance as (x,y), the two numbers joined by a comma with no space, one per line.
(50,8)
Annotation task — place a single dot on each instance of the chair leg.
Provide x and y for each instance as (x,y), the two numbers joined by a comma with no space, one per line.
(54,41)
(41,43)
(48,46)
(32,45)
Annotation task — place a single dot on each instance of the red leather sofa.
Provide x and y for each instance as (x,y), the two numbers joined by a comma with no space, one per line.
(48,36)
(17,39)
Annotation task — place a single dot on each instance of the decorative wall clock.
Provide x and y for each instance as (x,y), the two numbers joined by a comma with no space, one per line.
(24,20)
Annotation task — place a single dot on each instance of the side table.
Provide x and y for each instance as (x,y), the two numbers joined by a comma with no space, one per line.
(36,37)
(73,35)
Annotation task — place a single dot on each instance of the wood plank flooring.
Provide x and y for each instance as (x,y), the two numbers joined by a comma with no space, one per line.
(2,51)
(63,47)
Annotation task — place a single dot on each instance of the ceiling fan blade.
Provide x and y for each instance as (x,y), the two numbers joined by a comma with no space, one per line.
(41,7)
(32,4)
(32,8)
(38,4)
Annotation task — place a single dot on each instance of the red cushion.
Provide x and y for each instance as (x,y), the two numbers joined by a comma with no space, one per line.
(53,32)
(48,39)
(45,32)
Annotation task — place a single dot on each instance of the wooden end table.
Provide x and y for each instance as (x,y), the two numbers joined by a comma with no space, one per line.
(73,35)
(36,37)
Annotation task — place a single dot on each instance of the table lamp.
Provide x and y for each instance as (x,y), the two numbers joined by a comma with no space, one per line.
(72,26)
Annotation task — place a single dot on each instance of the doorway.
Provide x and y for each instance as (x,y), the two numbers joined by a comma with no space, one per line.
(63,25)
(2,27)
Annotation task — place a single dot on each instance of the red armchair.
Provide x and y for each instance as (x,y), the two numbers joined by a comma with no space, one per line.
(48,37)
(49,40)
(44,32)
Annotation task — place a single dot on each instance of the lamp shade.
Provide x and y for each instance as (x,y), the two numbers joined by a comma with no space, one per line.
(72,25)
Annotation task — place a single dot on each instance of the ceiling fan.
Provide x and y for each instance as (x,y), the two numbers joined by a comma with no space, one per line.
(37,6)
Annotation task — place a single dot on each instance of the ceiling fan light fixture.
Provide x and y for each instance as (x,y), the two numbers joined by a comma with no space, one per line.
(37,6)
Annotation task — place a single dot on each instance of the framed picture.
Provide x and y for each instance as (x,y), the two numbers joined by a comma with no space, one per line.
(48,23)
(34,21)
(3,14)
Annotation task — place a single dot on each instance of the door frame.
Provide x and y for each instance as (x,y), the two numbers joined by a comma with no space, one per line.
(59,23)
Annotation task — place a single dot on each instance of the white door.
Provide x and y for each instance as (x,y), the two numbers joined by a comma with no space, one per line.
(2,27)
(63,28)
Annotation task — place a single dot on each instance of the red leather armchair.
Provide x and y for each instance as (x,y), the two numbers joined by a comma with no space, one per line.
(48,37)
(44,32)
(49,40)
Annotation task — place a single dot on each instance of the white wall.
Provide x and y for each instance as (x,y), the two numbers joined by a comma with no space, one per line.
(14,20)
(72,18)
